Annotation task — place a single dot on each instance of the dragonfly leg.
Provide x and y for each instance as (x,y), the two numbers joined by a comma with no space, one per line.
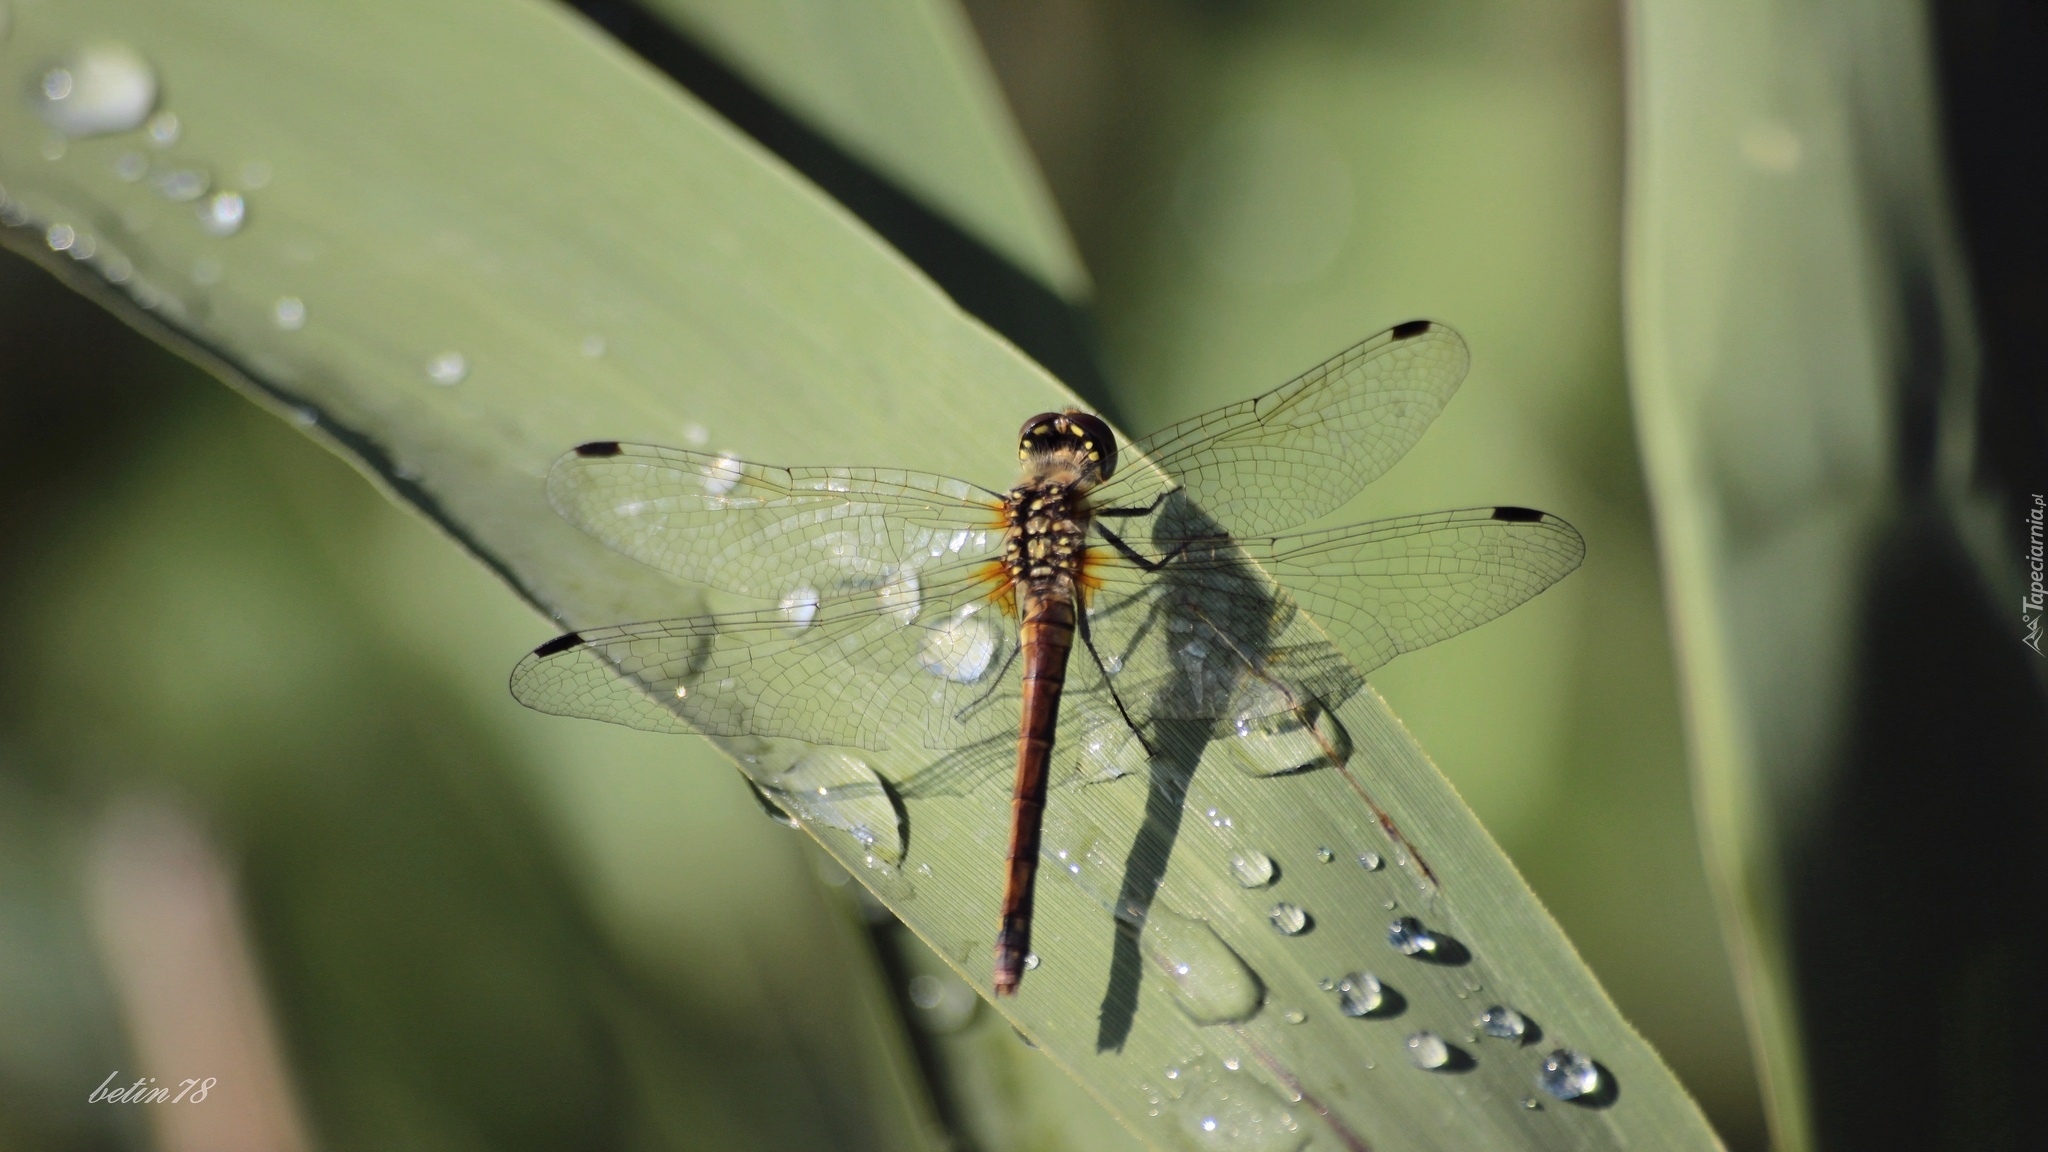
(1147,510)
(1088,640)
(1138,558)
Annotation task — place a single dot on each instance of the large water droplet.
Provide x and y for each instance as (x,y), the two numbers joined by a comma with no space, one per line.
(1427,1050)
(1253,868)
(289,313)
(222,213)
(962,647)
(448,368)
(1207,979)
(101,88)
(800,606)
(1568,1075)
(1370,861)
(1503,1023)
(1224,1109)
(1410,938)
(901,597)
(1277,733)
(60,237)
(1360,994)
(839,790)
(1290,919)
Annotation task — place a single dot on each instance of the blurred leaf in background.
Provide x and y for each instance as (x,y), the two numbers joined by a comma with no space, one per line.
(1867,729)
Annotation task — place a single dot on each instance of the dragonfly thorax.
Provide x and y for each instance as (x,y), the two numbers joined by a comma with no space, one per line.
(1047,532)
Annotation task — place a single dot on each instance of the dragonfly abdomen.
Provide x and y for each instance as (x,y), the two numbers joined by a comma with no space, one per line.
(1046,636)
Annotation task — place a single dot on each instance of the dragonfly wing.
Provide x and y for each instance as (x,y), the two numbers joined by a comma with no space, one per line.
(1311,444)
(1209,639)
(1392,586)
(765,531)
(920,656)
(1382,588)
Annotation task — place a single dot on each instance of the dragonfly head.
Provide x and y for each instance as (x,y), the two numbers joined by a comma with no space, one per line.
(1069,440)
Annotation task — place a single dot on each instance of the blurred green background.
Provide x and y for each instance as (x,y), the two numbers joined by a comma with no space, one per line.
(473,927)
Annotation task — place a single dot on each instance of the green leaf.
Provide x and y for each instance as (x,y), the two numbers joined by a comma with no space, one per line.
(1788,248)
(475,234)
(902,83)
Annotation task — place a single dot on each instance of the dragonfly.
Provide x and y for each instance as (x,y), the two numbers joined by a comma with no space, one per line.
(903,605)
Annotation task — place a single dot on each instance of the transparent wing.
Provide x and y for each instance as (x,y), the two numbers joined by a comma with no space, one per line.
(764,531)
(1308,446)
(929,655)
(1203,636)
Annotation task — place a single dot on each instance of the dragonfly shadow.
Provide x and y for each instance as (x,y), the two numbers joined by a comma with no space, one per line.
(1218,626)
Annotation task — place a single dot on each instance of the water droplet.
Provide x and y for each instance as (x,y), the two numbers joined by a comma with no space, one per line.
(1370,861)
(1410,938)
(1207,979)
(222,213)
(164,129)
(117,269)
(1218,819)
(1427,1050)
(962,647)
(1031,961)
(1253,868)
(54,148)
(207,271)
(800,605)
(84,248)
(1503,1023)
(289,313)
(256,174)
(1278,734)
(101,88)
(1221,1108)
(594,347)
(305,417)
(60,237)
(448,368)
(838,790)
(1325,855)
(1530,1103)
(179,185)
(1290,919)
(944,1003)
(1568,1075)
(130,167)
(1360,994)
(696,435)
(1294,1016)
(902,598)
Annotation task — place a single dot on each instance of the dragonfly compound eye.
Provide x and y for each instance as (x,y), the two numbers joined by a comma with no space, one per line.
(1076,432)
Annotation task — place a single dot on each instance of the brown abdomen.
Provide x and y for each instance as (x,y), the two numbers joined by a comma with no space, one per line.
(1047,635)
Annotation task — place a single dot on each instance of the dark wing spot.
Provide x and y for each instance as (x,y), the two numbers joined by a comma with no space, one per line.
(562,643)
(1516,515)
(598,448)
(1411,328)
